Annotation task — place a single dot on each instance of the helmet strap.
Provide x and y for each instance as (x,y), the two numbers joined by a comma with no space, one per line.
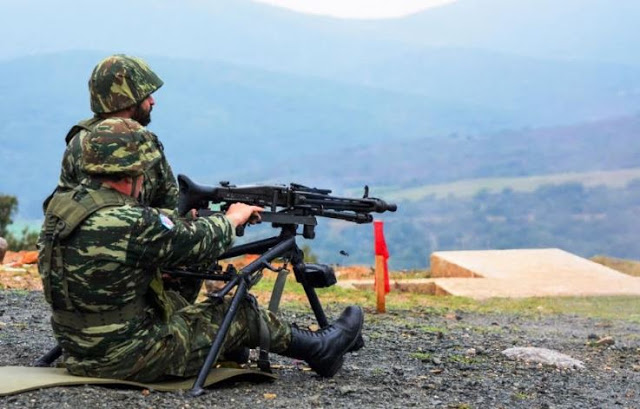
(134,182)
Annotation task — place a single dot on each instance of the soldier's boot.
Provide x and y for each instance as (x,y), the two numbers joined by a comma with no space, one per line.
(324,350)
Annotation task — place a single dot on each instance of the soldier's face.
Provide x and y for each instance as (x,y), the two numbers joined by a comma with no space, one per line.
(142,114)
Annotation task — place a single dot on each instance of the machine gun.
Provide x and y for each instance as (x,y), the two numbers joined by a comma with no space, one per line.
(287,207)
(295,204)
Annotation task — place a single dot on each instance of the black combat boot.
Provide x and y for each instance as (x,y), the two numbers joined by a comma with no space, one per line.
(323,350)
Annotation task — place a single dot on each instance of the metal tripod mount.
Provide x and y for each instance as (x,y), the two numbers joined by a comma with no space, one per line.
(310,276)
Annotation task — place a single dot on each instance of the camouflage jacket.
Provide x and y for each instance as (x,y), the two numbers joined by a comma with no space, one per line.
(159,189)
(110,261)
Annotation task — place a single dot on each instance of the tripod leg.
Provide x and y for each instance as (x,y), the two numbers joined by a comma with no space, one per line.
(214,352)
(48,358)
(321,317)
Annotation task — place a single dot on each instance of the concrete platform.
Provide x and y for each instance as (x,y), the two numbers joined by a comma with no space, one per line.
(526,273)
(514,273)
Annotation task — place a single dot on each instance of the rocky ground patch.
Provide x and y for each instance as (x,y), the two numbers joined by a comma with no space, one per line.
(423,358)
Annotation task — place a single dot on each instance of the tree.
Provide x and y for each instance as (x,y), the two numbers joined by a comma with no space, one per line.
(8,205)
(309,256)
(28,239)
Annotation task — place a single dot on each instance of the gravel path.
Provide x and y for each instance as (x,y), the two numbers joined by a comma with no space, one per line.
(420,358)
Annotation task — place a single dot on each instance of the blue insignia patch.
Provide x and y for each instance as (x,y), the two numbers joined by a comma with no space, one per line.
(166,222)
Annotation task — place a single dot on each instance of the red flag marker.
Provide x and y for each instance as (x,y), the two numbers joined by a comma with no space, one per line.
(382,271)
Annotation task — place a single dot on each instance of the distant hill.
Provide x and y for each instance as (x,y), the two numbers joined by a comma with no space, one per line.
(208,110)
(591,146)
(583,220)
(541,62)
(589,30)
(249,86)
(252,33)
(475,89)
(216,120)
(470,187)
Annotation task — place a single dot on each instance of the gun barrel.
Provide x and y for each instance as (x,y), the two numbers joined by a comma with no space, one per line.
(365,205)
(392,207)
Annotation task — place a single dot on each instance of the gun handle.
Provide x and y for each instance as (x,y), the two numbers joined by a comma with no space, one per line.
(252,220)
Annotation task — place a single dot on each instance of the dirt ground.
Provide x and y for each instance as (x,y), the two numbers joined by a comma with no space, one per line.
(420,358)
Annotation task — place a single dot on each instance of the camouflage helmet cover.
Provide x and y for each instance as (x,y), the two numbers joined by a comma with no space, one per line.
(119,82)
(117,147)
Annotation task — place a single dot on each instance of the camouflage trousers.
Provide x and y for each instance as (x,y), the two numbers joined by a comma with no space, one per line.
(192,329)
(180,346)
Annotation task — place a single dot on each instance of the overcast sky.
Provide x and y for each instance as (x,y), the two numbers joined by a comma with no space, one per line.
(359,8)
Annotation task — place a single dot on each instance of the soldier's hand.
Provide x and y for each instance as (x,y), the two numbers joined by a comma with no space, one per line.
(240,213)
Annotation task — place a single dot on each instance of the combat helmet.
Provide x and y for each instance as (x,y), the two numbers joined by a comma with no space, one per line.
(119,82)
(117,147)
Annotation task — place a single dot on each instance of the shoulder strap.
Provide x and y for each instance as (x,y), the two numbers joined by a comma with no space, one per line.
(72,212)
(86,125)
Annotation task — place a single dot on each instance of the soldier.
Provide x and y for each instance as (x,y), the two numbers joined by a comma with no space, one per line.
(100,256)
(121,88)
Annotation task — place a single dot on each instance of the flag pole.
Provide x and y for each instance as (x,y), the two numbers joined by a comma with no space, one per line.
(379,282)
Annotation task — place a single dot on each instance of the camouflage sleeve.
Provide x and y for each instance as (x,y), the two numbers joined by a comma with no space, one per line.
(70,175)
(168,189)
(161,189)
(164,241)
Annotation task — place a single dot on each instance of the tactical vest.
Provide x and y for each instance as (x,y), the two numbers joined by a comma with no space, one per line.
(66,211)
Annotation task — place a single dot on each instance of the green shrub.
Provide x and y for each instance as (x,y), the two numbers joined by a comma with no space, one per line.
(27,239)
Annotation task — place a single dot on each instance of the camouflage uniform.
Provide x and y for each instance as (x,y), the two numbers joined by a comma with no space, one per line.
(116,83)
(100,258)
(159,189)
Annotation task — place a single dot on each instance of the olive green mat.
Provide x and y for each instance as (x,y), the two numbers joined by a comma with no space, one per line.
(18,379)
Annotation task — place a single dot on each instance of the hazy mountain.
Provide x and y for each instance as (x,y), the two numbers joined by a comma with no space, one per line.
(595,30)
(253,92)
(568,67)
(262,35)
(224,121)
(599,145)
(215,119)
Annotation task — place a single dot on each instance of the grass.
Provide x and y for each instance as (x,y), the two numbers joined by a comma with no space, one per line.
(480,329)
(428,329)
(522,396)
(630,267)
(461,359)
(469,187)
(606,308)
(625,308)
(422,356)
